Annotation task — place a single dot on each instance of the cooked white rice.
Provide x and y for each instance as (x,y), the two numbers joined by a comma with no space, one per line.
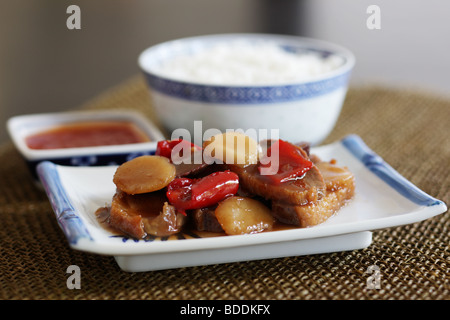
(240,63)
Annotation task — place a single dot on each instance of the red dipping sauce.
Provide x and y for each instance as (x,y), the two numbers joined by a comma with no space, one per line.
(87,134)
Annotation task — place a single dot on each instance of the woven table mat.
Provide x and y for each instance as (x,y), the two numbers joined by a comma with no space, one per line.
(409,129)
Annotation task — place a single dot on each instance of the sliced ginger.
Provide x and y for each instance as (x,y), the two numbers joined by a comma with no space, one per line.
(144,174)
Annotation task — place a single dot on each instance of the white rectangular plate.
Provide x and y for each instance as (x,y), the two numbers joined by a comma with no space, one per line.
(383,199)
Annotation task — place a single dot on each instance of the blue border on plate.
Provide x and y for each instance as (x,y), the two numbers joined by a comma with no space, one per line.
(378,166)
(74,229)
(67,217)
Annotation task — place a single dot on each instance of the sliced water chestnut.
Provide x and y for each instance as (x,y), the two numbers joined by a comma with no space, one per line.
(144,174)
(242,215)
(233,148)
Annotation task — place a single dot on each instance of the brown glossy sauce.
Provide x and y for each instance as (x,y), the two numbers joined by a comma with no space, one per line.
(188,232)
(87,134)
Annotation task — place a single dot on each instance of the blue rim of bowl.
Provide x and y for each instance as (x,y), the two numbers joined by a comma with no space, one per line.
(258,94)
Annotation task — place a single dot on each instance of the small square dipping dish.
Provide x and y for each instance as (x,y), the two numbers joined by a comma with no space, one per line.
(21,127)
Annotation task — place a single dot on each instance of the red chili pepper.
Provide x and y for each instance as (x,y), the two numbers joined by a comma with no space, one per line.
(164,148)
(186,194)
(291,162)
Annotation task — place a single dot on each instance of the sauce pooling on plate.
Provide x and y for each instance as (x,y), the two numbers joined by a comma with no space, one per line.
(87,134)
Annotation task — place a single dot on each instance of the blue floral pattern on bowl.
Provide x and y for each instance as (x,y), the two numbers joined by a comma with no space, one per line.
(246,95)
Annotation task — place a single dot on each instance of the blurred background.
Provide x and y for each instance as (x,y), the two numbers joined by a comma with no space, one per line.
(46,67)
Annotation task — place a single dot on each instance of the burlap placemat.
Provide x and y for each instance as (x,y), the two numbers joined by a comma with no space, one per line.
(409,129)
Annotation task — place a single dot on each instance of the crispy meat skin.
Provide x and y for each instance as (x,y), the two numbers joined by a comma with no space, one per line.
(340,187)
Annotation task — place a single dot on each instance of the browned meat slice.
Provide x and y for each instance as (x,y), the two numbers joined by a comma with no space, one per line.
(300,191)
(314,158)
(205,220)
(190,165)
(306,146)
(340,187)
(296,192)
(144,214)
(187,169)
(195,166)
(336,177)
